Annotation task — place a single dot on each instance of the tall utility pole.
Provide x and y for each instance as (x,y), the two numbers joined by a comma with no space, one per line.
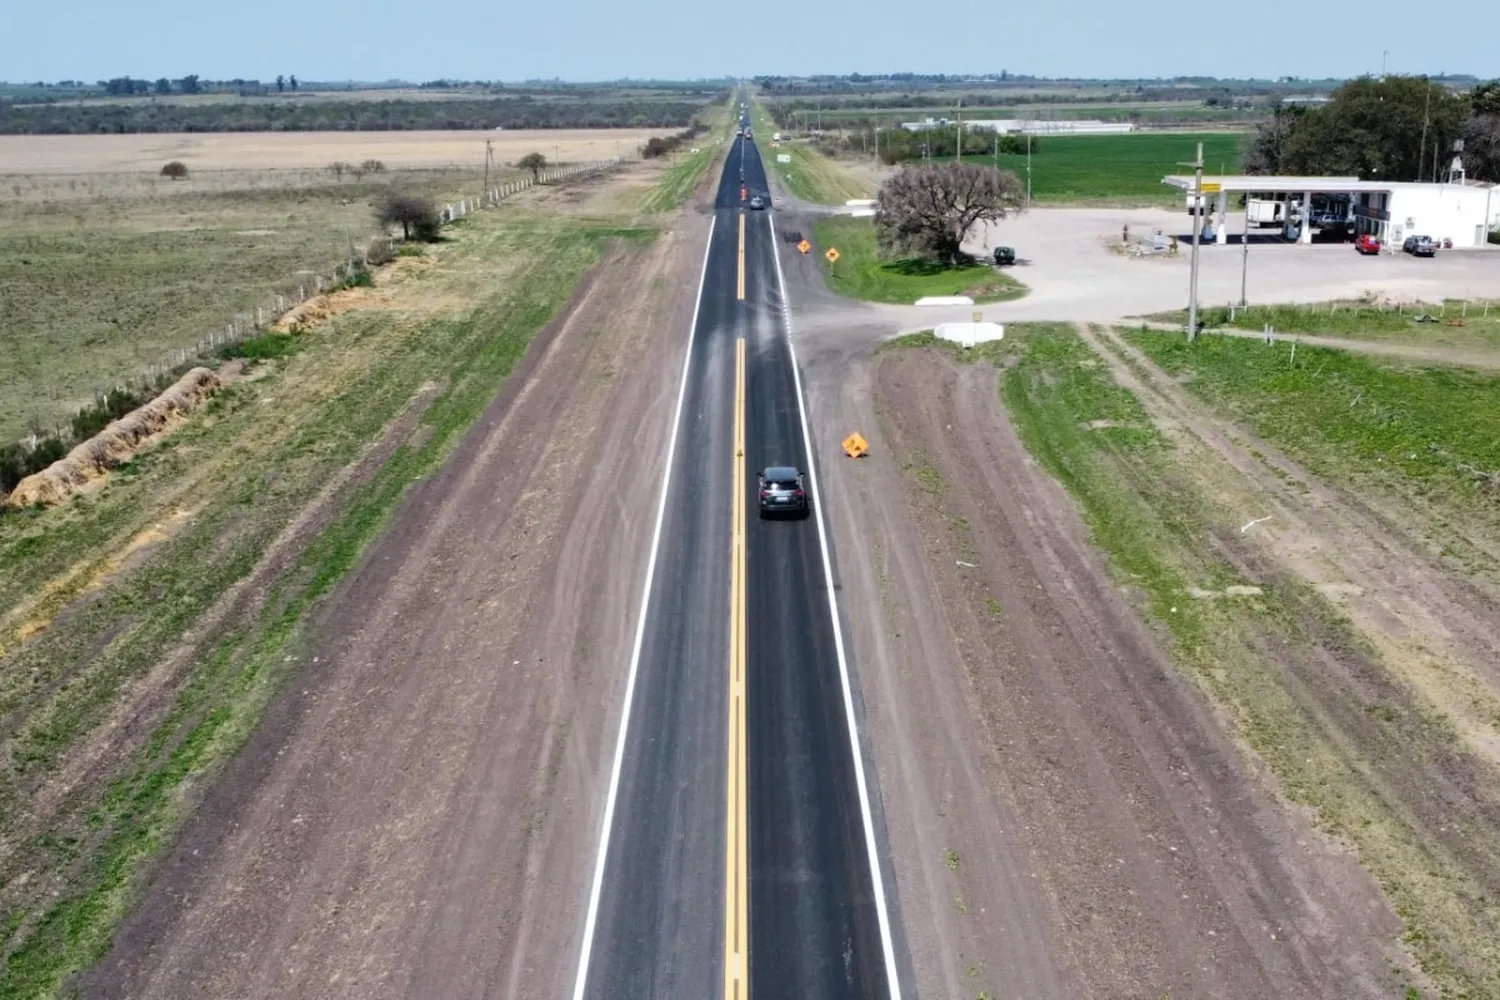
(958,137)
(1028,166)
(1383,54)
(1197,166)
(489,155)
(1426,117)
(1245,257)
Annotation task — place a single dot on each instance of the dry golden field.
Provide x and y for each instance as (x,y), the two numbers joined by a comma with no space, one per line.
(206,151)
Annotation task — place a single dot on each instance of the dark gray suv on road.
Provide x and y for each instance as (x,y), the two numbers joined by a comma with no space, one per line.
(781,492)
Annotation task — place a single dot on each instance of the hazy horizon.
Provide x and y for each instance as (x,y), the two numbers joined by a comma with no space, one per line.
(676,40)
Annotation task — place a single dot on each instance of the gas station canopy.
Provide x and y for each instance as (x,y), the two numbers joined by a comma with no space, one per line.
(1270,184)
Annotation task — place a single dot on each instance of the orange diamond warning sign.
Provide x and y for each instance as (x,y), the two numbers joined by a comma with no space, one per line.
(856,446)
(804,246)
(832,254)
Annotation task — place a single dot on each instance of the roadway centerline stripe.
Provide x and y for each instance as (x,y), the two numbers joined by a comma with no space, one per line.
(742,256)
(877,880)
(591,918)
(736,831)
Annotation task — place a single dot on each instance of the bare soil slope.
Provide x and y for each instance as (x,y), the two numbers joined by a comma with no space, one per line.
(417,813)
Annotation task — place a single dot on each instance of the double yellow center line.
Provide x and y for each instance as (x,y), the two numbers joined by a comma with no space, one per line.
(736,887)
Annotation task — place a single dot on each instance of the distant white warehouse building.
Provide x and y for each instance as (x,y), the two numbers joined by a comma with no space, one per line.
(1026,126)
(1459,211)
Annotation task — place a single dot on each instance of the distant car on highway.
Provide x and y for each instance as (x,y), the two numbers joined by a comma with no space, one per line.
(1367,244)
(1419,246)
(781,492)
(757,202)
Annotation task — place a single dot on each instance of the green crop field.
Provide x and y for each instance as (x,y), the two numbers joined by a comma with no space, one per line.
(1119,168)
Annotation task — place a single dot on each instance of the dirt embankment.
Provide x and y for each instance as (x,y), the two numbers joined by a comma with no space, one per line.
(420,798)
(117,442)
(1066,815)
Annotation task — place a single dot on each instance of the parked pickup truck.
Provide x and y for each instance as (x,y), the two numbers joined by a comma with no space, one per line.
(1419,246)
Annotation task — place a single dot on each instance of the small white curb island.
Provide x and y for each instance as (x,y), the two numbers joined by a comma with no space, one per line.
(945,300)
(969,334)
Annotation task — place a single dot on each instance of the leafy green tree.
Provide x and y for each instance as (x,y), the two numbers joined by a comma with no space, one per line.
(931,210)
(1394,128)
(280,83)
(1268,150)
(293,81)
(188,84)
(163,86)
(1481,134)
(535,162)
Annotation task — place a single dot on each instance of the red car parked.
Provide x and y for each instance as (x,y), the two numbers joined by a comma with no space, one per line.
(1367,243)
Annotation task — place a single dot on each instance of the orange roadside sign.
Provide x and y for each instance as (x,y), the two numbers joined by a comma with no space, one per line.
(855,445)
(804,246)
(832,254)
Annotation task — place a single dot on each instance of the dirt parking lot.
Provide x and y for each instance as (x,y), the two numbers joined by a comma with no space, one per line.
(1074,275)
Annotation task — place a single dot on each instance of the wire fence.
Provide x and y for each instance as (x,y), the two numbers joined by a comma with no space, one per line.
(264,317)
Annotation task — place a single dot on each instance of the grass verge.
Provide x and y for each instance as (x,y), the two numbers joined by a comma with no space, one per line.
(861,273)
(1458,323)
(1374,765)
(241,475)
(810,175)
(1428,435)
(681,179)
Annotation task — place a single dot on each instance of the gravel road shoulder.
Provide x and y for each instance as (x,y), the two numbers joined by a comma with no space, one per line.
(1065,814)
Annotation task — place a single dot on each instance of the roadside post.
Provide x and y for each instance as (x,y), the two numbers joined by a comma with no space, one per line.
(833,258)
(1245,256)
(1197,211)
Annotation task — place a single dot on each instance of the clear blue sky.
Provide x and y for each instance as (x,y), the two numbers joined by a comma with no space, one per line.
(594,40)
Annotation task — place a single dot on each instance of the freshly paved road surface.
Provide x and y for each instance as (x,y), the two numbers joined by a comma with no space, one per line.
(669,908)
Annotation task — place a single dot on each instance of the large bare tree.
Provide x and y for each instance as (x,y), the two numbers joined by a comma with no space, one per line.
(930,210)
(417,216)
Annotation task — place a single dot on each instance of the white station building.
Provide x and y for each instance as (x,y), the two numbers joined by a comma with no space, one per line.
(1460,212)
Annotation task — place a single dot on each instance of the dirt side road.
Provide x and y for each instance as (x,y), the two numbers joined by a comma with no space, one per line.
(417,815)
(1065,816)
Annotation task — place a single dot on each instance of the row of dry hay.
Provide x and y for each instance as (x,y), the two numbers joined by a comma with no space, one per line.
(117,443)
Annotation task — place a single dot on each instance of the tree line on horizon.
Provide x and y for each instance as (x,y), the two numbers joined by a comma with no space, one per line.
(1400,128)
(351,115)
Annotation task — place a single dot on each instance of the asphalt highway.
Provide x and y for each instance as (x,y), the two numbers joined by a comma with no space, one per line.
(738,858)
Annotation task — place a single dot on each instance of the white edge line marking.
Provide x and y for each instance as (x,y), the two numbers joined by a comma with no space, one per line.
(876,880)
(635,654)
